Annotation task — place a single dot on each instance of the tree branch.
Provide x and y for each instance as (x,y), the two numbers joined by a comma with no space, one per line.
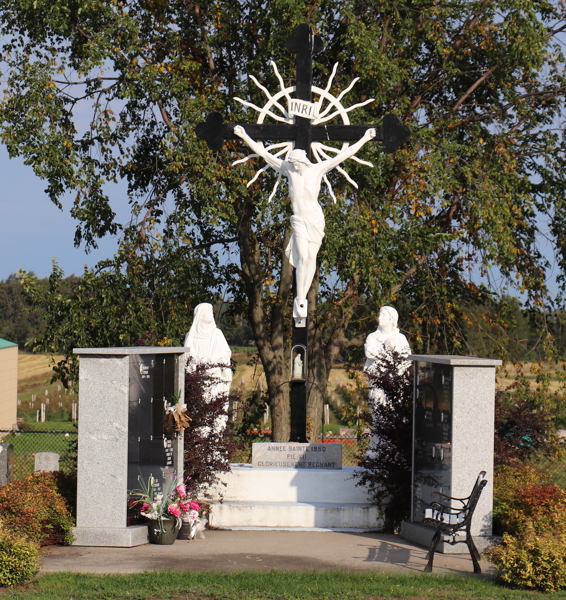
(165,116)
(471,89)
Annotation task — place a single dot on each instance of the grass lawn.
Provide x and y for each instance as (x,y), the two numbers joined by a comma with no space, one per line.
(274,585)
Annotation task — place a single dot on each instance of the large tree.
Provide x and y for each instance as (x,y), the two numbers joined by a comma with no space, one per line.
(479,82)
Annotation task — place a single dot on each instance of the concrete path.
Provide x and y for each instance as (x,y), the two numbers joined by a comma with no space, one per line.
(261,551)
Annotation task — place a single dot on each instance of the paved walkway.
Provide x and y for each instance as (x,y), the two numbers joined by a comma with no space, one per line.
(261,551)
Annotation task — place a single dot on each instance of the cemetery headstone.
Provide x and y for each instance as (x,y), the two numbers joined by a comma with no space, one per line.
(46,461)
(6,463)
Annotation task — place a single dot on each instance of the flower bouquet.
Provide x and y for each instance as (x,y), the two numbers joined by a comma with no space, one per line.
(160,507)
(190,512)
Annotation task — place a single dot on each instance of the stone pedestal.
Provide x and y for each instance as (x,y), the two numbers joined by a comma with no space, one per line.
(453,427)
(298,494)
(121,395)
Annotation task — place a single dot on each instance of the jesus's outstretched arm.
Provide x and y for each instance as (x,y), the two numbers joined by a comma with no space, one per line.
(329,164)
(271,160)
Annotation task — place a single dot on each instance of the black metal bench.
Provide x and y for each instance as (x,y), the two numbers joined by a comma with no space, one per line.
(449,520)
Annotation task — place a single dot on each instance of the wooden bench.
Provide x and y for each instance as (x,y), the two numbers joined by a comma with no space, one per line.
(449,520)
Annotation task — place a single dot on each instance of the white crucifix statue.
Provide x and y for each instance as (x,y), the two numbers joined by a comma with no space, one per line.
(297,148)
(307,223)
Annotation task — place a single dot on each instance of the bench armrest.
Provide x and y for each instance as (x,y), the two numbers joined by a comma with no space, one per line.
(462,500)
(444,508)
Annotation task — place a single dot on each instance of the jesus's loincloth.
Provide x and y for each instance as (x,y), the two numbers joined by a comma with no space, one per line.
(311,230)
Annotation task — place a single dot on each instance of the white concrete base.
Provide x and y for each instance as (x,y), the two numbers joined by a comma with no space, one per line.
(296,499)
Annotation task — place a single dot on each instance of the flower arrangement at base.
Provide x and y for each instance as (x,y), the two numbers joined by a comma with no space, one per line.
(190,511)
(162,507)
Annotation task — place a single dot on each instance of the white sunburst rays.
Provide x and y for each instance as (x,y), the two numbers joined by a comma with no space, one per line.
(319,149)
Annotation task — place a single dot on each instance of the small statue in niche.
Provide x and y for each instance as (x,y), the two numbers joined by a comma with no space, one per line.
(297,365)
(386,339)
(205,343)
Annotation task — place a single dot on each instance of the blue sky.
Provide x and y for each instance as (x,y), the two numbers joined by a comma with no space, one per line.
(33,230)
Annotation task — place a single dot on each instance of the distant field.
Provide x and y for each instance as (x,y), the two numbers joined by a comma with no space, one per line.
(250,377)
(33,369)
(507,375)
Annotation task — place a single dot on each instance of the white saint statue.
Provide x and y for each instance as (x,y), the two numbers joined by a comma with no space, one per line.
(205,343)
(378,345)
(307,223)
(297,366)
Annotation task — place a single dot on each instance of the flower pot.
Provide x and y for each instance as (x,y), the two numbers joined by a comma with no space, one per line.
(187,531)
(169,534)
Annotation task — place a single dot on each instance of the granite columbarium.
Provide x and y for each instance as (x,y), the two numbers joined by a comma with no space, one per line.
(453,438)
(124,394)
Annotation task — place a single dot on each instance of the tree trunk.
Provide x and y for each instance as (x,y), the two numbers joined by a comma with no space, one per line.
(317,371)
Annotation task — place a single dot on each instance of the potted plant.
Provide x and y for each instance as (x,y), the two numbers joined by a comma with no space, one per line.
(161,508)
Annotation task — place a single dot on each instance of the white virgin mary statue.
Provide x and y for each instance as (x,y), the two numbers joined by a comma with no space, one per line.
(205,343)
(379,345)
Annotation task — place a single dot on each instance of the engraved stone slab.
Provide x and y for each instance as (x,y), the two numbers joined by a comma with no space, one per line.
(292,455)
(46,461)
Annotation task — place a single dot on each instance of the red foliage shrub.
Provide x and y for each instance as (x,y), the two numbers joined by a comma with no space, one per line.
(33,507)
(386,471)
(207,446)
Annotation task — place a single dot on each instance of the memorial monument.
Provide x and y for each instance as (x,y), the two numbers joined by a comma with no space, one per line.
(299,484)
(299,134)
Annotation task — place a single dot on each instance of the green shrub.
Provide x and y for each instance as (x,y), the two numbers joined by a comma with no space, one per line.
(532,561)
(33,507)
(19,558)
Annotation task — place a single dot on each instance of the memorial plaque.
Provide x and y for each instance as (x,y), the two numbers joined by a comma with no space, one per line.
(273,455)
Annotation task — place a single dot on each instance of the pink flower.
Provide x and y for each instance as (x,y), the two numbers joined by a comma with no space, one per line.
(185,506)
(195,505)
(193,515)
(174,510)
(181,490)
(144,507)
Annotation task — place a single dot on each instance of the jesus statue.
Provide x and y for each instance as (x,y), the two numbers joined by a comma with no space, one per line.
(307,223)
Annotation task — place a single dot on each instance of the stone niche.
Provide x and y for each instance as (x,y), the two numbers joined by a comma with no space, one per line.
(122,397)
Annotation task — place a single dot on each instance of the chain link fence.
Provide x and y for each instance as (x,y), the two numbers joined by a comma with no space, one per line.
(27,443)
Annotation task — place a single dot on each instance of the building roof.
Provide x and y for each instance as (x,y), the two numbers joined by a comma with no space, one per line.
(6,344)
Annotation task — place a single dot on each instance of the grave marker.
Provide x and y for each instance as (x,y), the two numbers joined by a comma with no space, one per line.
(6,463)
(46,461)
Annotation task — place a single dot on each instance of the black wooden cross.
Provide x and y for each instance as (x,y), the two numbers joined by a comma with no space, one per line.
(392,133)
